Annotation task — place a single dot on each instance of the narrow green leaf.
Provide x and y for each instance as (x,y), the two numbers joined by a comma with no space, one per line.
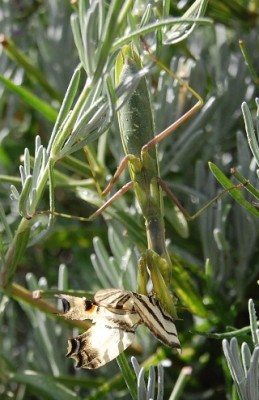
(185,289)
(39,105)
(250,131)
(24,197)
(128,375)
(182,380)
(44,385)
(15,252)
(33,72)
(66,103)
(248,60)
(236,193)
(253,321)
(156,25)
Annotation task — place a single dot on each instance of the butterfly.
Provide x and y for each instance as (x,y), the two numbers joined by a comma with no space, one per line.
(115,314)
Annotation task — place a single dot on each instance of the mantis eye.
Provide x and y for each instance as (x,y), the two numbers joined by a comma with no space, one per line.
(65,305)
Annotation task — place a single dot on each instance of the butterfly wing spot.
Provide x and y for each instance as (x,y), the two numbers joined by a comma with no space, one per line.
(90,307)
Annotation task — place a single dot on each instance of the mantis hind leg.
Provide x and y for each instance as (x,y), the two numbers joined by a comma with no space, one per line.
(161,136)
(189,217)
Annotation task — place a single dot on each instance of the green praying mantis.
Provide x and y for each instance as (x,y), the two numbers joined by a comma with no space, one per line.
(139,143)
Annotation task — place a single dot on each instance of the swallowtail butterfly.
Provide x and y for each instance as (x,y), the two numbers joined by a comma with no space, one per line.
(116,315)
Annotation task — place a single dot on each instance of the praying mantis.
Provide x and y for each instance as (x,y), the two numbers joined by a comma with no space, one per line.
(139,143)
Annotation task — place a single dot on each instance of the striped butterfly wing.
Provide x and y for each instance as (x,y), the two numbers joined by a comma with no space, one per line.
(150,311)
(158,321)
(115,299)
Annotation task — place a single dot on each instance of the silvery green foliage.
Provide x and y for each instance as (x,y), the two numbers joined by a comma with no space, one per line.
(252,138)
(82,121)
(147,391)
(118,270)
(244,364)
(31,176)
